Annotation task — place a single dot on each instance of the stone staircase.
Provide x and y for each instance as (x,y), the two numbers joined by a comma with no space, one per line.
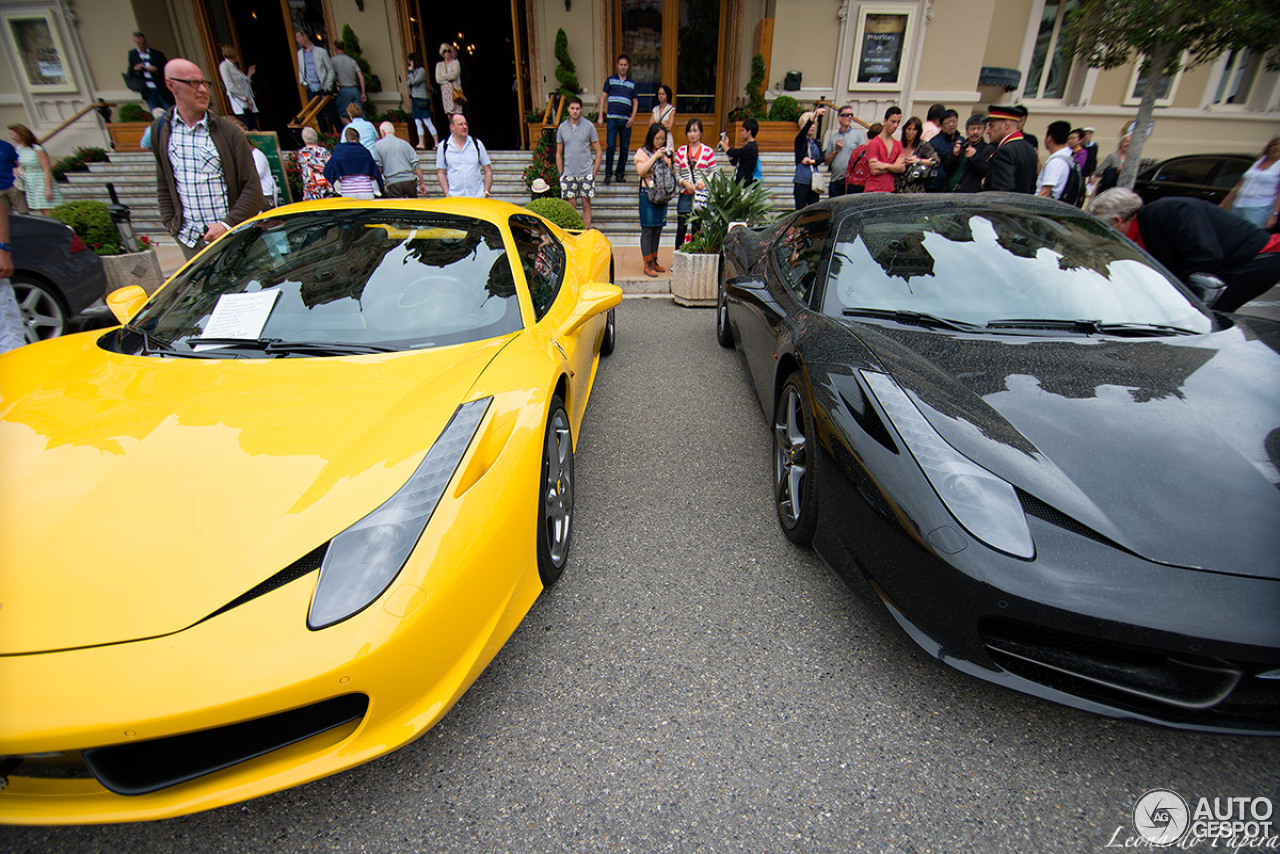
(613,210)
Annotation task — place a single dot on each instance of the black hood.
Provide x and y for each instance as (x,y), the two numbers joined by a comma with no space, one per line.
(1170,447)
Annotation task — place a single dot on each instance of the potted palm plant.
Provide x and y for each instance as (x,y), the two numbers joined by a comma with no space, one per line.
(695,270)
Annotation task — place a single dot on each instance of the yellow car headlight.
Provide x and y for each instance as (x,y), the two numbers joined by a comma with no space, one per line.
(363,560)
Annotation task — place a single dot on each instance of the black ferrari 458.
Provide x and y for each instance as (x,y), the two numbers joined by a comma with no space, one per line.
(1055,466)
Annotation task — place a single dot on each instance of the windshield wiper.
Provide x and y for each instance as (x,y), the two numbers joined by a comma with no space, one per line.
(151,345)
(1086,326)
(1139,330)
(280,347)
(917,318)
(1091,327)
(333,348)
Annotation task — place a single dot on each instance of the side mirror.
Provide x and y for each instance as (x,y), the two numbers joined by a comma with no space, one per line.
(1206,286)
(594,298)
(125,302)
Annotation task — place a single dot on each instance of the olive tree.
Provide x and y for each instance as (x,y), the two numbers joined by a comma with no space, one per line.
(1167,35)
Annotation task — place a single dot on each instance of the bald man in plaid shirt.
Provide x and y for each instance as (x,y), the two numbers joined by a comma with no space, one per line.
(206,181)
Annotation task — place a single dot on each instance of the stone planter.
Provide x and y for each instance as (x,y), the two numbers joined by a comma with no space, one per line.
(694,277)
(127,136)
(133,268)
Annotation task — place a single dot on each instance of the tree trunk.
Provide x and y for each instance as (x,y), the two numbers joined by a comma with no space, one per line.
(1154,66)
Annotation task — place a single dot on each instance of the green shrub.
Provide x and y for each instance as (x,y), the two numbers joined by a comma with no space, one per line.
(92,222)
(76,161)
(133,113)
(558,211)
(785,109)
(566,71)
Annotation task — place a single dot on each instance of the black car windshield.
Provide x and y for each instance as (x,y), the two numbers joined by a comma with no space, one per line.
(337,282)
(1002,268)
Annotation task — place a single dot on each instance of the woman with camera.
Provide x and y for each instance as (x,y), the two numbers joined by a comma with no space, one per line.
(808,156)
(919,158)
(655,166)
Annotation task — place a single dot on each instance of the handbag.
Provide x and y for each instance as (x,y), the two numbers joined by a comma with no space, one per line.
(816,184)
(922,171)
(459,97)
(662,183)
(134,83)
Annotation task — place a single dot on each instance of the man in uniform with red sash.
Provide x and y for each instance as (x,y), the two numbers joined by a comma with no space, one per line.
(1013,166)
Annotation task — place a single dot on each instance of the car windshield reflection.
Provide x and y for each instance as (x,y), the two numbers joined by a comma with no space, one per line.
(335,283)
(1070,274)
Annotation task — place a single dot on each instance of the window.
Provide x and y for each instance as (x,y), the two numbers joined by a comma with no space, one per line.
(1047,74)
(542,258)
(800,250)
(1166,88)
(1236,82)
(1187,170)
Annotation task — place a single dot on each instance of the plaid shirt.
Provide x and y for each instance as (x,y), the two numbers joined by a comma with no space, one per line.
(197,172)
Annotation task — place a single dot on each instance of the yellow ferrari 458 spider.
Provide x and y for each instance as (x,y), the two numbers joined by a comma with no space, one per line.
(276,523)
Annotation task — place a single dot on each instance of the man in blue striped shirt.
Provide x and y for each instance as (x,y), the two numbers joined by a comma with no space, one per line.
(619,113)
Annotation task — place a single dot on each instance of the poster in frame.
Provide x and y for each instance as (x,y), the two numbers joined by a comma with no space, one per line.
(38,52)
(881,51)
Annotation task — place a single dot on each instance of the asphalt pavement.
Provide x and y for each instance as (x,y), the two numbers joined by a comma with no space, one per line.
(695,683)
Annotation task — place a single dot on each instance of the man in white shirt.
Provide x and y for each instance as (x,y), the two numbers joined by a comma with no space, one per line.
(462,163)
(1057,168)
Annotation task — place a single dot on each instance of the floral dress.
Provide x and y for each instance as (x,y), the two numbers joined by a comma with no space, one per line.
(312,160)
(448,75)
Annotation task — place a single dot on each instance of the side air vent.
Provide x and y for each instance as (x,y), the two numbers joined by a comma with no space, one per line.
(300,567)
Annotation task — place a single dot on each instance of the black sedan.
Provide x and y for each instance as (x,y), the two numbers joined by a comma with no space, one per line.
(1055,467)
(55,276)
(1201,176)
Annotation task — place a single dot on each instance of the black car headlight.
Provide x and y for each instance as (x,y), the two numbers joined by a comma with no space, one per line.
(987,506)
(363,560)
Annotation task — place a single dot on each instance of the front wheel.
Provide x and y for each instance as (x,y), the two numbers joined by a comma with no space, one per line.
(795,463)
(555,504)
(610,338)
(723,335)
(43,314)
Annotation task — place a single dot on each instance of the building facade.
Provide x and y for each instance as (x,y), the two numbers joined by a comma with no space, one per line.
(64,55)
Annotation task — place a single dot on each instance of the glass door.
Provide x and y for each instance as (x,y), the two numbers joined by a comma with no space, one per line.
(679,43)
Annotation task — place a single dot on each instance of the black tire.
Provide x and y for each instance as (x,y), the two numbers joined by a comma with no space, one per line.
(723,333)
(610,334)
(44,314)
(555,495)
(795,463)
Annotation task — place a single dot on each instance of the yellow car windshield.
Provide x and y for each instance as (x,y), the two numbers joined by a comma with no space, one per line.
(373,278)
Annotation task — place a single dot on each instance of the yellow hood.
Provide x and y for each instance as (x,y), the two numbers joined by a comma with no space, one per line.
(139,495)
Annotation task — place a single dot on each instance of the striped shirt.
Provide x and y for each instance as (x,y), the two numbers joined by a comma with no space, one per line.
(197,172)
(621,94)
(699,169)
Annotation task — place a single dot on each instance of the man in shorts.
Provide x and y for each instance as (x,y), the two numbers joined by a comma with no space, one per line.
(576,141)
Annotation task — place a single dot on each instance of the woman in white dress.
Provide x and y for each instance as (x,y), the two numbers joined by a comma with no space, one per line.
(239,87)
(664,111)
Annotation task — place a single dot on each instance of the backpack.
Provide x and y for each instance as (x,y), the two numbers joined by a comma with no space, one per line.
(1073,191)
(859,169)
(662,183)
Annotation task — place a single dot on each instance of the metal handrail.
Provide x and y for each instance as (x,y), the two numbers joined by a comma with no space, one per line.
(77,117)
